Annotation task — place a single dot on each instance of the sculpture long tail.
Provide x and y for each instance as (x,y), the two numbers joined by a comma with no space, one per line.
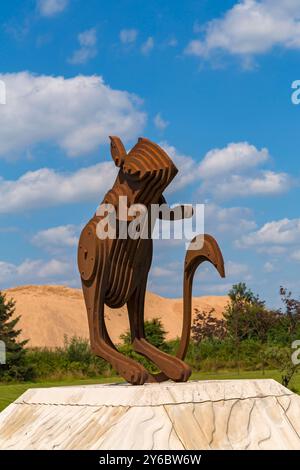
(202,248)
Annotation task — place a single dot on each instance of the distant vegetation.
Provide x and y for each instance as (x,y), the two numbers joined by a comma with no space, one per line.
(249,337)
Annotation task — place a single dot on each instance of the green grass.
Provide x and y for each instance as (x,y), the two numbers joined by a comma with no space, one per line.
(9,393)
(268,374)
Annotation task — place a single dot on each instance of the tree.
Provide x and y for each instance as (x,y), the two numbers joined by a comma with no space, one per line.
(287,330)
(247,316)
(292,313)
(15,366)
(207,326)
(240,293)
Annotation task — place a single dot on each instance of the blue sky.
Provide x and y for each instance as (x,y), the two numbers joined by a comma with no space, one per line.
(210,81)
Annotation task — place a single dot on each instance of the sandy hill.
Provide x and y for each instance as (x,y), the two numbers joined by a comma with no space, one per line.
(50,312)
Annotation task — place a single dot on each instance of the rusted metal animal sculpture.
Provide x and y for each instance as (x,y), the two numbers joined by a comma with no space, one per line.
(114,271)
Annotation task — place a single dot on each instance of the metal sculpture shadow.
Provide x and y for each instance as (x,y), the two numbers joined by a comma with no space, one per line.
(115,271)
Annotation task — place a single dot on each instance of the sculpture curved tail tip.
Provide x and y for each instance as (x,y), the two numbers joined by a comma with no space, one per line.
(204,248)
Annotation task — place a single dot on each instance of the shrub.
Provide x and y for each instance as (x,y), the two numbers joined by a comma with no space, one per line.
(75,359)
(207,326)
(154,332)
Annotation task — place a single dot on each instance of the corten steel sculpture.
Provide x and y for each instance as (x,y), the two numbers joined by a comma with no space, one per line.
(115,271)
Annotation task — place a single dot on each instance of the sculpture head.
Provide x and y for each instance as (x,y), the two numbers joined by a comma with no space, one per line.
(147,167)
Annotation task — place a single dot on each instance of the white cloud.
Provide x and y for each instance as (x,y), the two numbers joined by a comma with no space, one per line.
(160,123)
(232,171)
(6,270)
(216,289)
(57,238)
(147,46)
(53,268)
(33,270)
(269,250)
(229,219)
(251,27)
(194,47)
(161,272)
(128,36)
(172,42)
(34,189)
(233,220)
(269,267)
(186,165)
(82,55)
(264,184)
(51,7)
(296,255)
(234,157)
(235,272)
(234,269)
(280,232)
(87,50)
(88,38)
(47,187)
(229,172)
(76,113)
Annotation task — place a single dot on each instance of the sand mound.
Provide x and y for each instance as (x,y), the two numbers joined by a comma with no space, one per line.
(50,312)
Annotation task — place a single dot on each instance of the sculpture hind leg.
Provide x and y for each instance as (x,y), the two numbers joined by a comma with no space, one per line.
(171,367)
(102,346)
(93,285)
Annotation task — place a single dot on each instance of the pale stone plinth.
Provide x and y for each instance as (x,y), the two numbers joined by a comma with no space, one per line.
(225,414)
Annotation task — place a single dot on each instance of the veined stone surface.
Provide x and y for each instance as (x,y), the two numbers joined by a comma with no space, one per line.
(225,414)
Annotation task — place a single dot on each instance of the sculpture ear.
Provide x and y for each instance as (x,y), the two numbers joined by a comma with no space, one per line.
(162,200)
(117,150)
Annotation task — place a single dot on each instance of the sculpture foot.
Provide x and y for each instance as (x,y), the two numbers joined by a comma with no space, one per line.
(171,366)
(131,371)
